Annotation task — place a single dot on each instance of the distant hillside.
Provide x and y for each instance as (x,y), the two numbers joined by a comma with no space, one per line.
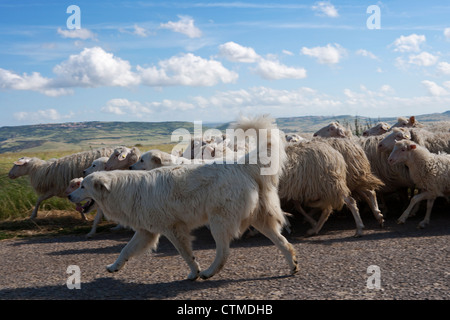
(79,136)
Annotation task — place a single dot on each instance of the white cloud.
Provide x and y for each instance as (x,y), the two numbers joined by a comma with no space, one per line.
(325,8)
(434,89)
(41,116)
(444,68)
(368,54)
(236,53)
(136,30)
(274,70)
(188,70)
(447,33)
(423,59)
(33,82)
(409,43)
(326,55)
(185,26)
(94,67)
(82,33)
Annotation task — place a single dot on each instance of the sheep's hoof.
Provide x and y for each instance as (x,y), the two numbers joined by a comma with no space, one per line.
(422,225)
(400,221)
(193,276)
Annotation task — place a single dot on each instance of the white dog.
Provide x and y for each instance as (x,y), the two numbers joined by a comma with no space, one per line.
(174,200)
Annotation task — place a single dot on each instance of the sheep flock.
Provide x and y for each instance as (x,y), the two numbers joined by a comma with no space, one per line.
(332,170)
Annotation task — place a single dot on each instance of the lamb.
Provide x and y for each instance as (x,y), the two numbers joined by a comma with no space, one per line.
(299,181)
(378,129)
(122,158)
(334,129)
(51,178)
(429,171)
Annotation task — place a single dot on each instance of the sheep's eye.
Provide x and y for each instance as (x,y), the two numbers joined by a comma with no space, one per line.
(142,160)
(82,187)
(93,166)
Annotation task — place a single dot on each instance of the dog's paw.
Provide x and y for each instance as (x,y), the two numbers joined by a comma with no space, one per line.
(112,268)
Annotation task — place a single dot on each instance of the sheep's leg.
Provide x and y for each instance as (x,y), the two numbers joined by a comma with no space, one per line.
(371,198)
(351,204)
(426,221)
(38,203)
(140,242)
(97,219)
(300,209)
(181,240)
(415,200)
(280,242)
(323,218)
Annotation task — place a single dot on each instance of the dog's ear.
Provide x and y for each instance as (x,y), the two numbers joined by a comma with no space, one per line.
(156,159)
(102,183)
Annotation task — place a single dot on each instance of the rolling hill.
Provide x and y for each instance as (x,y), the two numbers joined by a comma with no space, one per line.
(77,136)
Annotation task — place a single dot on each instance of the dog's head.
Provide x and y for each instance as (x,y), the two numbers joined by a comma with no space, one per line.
(93,188)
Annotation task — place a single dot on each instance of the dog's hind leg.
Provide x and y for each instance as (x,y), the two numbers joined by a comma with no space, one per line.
(179,236)
(222,238)
(140,242)
(271,231)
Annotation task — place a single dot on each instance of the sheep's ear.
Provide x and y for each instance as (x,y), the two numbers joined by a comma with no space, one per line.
(413,146)
(123,155)
(21,161)
(412,119)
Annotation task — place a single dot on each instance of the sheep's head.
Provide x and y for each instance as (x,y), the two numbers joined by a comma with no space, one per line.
(401,151)
(398,134)
(97,165)
(122,158)
(379,129)
(20,168)
(334,129)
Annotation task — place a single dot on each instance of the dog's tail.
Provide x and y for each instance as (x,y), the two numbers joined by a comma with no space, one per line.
(270,154)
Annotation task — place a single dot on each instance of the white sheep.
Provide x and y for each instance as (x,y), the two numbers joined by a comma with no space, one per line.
(435,142)
(315,176)
(156,158)
(51,178)
(407,123)
(294,138)
(360,179)
(122,158)
(429,171)
(378,129)
(334,130)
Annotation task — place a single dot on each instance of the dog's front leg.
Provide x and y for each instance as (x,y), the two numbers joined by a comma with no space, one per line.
(140,242)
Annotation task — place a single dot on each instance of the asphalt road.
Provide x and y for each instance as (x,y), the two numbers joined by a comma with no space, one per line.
(404,263)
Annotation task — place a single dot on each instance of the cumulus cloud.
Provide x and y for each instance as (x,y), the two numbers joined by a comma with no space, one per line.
(32,82)
(124,106)
(82,33)
(330,54)
(409,43)
(236,53)
(188,70)
(434,89)
(325,8)
(185,26)
(94,67)
(423,59)
(274,70)
(443,68)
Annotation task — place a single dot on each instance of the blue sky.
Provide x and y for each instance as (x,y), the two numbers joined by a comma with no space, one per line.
(211,61)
